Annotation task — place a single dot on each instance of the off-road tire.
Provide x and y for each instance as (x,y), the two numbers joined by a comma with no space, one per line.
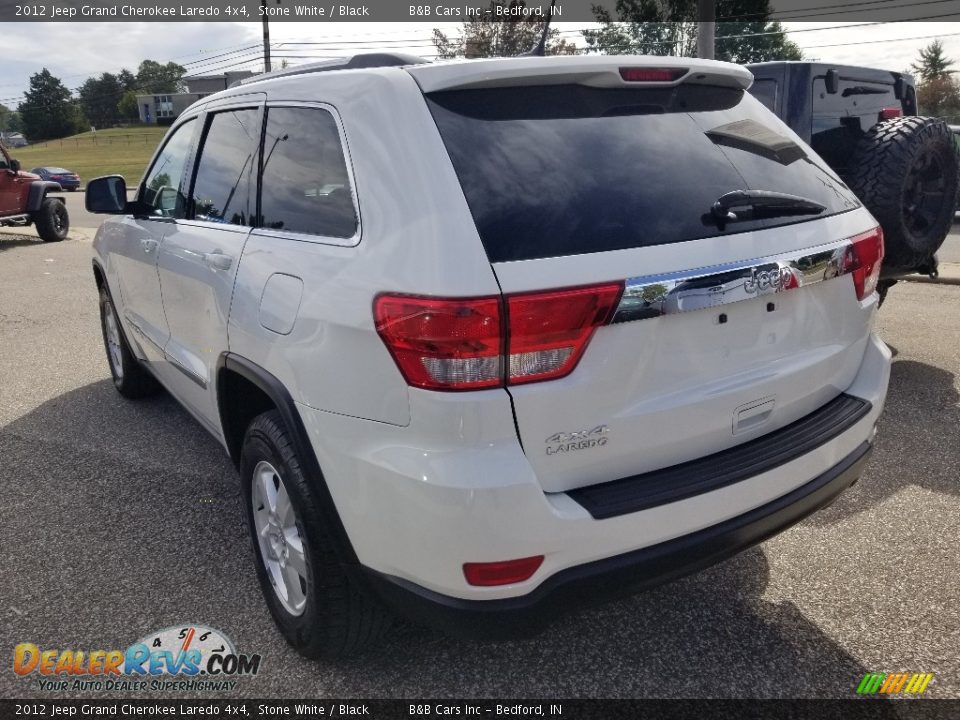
(890,165)
(52,220)
(340,618)
(130,378)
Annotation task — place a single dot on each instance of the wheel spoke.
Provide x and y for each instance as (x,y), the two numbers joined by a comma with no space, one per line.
(269,490)
(283,508)
(294,590)
(296,558)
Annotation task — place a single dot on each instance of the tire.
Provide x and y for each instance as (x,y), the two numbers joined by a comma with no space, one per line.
(906,174)
(130,378)
(52,220)
(318,607)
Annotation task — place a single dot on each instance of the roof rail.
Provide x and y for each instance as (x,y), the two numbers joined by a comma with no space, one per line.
(363,60)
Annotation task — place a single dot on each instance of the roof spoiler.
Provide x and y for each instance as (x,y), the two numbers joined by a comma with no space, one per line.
(603,71)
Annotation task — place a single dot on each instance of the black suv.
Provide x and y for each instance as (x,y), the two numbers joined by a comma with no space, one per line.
(864,123)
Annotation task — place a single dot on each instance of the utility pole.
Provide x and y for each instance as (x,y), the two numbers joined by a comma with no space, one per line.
(706,28)
(266,36)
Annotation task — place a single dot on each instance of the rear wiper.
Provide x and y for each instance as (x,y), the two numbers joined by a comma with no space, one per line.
(760,204)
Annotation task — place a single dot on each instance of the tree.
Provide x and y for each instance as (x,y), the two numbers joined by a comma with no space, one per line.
(933,63)
(99,98)
(154,78)
(48,111)
(488,36)
(940,97)
(669,27)
(4,116)
(128,107)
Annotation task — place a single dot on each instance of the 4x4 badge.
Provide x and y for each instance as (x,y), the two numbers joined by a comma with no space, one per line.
(563,442)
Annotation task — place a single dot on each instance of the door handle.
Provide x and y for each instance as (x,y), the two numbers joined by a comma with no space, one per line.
(216,260)
(148,245)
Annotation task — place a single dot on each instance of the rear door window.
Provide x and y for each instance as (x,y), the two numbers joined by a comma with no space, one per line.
(305,186)
(569,169)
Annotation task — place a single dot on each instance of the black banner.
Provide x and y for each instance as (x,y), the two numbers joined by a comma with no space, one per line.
(433,10)
(854,709)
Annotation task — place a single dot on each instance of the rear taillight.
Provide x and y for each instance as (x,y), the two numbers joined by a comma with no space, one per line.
(863,260)
(636,74)
(476,343)
(889,113)
(549,331)
(443,344)
(505,572)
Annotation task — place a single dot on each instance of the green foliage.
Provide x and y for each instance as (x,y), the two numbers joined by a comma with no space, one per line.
(669,27)
(48,110)
(127,107)
(486,36)
(99,97)
(933,63)
(940,97)
(152,77)
(4,117)
(938,91)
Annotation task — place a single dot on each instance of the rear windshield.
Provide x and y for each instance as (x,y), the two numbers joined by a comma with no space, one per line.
(568,169)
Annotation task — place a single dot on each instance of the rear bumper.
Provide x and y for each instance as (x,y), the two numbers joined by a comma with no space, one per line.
(619,575)
(455,486)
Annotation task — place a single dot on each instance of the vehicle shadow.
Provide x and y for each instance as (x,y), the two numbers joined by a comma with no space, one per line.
(916,445)
(9,241)
(710,635)
(125,518)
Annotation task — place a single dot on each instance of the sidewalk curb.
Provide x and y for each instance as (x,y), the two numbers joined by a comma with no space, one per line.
(949,274)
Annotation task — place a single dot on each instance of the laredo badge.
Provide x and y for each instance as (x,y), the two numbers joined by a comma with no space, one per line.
(564,442)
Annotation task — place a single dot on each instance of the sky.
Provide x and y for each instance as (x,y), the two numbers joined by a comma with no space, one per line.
(209,48)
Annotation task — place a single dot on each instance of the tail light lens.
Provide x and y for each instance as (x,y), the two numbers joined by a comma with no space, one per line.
(889,113)
(549,331)
(465,344)
(443,344)
(863,261)
(505,572)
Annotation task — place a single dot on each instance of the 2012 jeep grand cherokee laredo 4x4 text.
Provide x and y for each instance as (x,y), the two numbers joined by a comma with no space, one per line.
(484,338)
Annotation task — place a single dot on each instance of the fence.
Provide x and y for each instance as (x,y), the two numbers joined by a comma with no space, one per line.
(105,139)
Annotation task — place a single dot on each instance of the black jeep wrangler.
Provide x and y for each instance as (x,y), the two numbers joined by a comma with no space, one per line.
(864,123)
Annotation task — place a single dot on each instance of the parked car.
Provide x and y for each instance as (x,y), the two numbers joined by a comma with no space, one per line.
(25,200)
(554,329)
(67,179)
(863,122)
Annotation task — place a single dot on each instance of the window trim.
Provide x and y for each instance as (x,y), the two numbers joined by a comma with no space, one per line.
(258,231)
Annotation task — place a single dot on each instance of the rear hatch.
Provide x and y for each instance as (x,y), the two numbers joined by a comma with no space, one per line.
(721,327)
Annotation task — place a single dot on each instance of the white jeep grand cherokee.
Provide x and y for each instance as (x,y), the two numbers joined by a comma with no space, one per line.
(486,338)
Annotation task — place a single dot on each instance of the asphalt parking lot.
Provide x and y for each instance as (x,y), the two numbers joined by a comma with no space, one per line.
(121,518)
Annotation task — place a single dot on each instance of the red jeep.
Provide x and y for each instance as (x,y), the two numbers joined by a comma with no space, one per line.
(25,200)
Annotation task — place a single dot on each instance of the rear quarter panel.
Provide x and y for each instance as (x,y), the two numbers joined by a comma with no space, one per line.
(416,237)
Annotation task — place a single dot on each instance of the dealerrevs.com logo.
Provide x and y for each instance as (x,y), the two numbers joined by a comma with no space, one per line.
(180,658)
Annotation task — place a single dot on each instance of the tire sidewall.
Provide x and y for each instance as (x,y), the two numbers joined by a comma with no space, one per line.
(260,445)
(106,306)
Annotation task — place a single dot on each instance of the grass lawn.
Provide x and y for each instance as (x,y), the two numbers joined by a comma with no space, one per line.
(117,151)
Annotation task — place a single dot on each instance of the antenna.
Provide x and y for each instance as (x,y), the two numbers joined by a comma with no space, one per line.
(540,49)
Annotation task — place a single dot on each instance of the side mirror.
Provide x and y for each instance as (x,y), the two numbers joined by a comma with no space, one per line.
(14,165)
(107,195)
(832,81)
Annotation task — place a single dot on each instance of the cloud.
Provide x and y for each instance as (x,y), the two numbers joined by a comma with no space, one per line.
(75,51)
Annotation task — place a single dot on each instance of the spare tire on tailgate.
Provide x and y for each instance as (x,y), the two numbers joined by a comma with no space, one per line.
(905,172)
